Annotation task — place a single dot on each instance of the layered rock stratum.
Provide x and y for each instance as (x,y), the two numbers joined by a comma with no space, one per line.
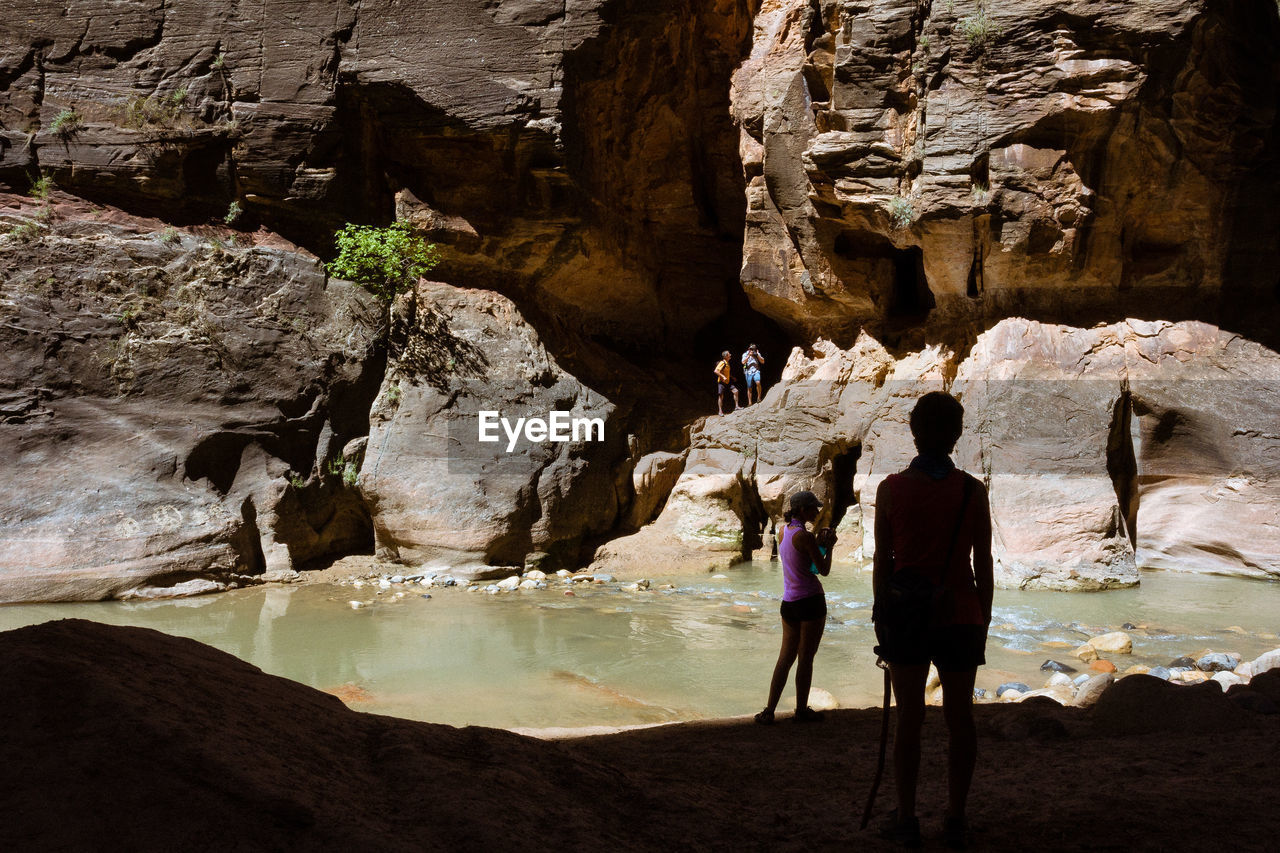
(1059,211)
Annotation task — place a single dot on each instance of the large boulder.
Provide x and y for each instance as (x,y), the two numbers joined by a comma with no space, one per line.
(437,493)
(172,409)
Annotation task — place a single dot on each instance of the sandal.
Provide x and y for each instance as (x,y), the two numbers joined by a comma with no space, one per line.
(765,717)
(807,715)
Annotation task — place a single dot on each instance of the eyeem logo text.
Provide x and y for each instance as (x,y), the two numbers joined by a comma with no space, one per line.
(557,426)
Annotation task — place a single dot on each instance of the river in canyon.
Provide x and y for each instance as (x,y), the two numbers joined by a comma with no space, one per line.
(605,656)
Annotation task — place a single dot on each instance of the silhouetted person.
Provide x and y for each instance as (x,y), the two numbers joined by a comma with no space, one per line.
(805,556)
(724,381)
(751,361)
(928,520)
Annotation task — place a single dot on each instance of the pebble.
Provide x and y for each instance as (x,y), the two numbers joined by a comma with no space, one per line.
(1266,661)
(1010,695)
(357,583)
(397,578)
(1059,679)
(1227,679)
(425,595)
(508,583)
(822,700)
(563,573)
(1217,662)
(530,583)
(1190,676)
(1055,666)
(1137,669)
(492,589)
(536,574)
(979,693)
(1011,685)
(1081,679)
(570,593)
(1183,662)
(1161,672)
(384,583)
(602,578)
(1116,643)
(1087,694)
(1101,665)
(1086,653)
(719,577)
(426,582)
(356,605)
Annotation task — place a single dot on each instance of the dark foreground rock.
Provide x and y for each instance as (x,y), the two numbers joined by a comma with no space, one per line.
(125,738)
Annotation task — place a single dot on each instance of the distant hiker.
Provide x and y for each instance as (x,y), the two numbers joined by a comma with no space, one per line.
(805,556)
(724,381)
(751,361)
(932,605)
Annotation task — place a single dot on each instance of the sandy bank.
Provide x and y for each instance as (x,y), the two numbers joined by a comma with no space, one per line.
(128,738)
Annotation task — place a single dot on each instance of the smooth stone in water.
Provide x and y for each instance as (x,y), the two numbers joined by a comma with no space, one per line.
(1183,662)
(1227,679)
(1059,679)
(1216,662)
(529,583)
(1086,653)
(1161,672)
(602,578)
(535,574)
(397,578)
(1081,679)
(1055,666)
(508,583)
(1012,685)
(1190,676)
(1116,643)
(1266,661)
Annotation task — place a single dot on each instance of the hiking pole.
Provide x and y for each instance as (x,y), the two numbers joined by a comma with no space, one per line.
(884,740)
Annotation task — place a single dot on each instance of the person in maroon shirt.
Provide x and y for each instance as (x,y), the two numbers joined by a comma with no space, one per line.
(929,519)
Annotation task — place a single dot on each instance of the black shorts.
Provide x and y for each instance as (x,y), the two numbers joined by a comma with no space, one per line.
(805,609)
(721,387)
(952,648)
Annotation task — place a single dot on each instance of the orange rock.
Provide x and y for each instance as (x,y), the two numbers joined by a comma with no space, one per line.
(1101,665)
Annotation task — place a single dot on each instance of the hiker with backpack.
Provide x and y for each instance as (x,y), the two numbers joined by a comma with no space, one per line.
(933,605)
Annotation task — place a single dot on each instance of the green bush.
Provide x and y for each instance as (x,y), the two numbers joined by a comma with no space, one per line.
(41,187)
(385,261)
(979,30)
(234,210)
(65,123)
(901,213)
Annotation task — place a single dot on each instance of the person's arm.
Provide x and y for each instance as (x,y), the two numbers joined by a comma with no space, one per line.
(807,545)
(882,566)
(983,564)
(759,357)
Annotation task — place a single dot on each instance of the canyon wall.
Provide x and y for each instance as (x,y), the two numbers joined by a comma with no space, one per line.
(1059,211)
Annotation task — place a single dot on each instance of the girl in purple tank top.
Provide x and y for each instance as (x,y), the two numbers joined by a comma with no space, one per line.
(804,556)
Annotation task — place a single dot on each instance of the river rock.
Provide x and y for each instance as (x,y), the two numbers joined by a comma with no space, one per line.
(1227,679)
(1191,676)
(1137,669)
(1087,694)
(1266,661)
(509,583)
(536,575)
(1012,685)
(1161,672)
(1183,662)
(822,700)
(1217,662)
(530,583)
(1086,653)
(1116,643)
(1101,665)
(1059,679)
(1055,666)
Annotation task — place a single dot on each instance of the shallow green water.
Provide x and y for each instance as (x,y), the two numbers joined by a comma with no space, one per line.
(538,658)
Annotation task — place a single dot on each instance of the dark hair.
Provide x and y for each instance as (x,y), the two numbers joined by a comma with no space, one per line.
(936,422)
(786,516)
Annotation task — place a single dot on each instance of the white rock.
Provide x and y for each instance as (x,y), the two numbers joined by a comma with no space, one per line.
(535,575)
(1088,692)
(822,700)
(563,573)
(384,583)
(1266,661)
(1059,679)
(719,577)
(529,583)
(427,582)
(357,583)
(492,589)
(1227,679)
(397,578)
(1086,653)
(356,605)
(508,583)
(1115,643)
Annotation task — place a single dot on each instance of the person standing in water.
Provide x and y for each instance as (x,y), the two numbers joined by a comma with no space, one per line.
(751,361)
(928,520)
(724,381)
(805,557)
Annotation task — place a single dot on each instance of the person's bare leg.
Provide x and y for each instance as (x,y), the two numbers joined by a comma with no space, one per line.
(908,692)
(720,402)
(962,753)
(810,637)
(786,657)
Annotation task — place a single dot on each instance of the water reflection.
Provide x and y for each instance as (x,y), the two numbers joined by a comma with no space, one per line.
(605,656)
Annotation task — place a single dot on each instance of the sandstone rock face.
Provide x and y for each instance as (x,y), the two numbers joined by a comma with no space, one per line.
(171,408)
(439,495)
(923,165)
(1051,428)
(513,131)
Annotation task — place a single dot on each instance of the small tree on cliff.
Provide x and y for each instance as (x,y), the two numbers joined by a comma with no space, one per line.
(385,261)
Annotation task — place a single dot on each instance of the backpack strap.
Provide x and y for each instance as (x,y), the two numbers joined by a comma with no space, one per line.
(967,490)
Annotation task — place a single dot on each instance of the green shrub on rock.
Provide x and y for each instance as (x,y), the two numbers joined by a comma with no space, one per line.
(385,261)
